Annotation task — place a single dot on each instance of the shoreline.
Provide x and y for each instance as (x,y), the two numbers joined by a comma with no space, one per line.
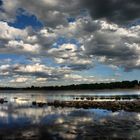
(135,84)
(96,90)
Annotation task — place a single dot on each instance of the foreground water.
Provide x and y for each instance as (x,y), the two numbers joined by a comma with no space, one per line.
(25,121)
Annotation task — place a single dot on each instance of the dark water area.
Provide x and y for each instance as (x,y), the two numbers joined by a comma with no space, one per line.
(19,119)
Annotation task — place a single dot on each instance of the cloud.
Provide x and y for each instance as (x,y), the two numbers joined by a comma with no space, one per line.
(56,12)
(87,79)
(41,79)
(38,71)
(96,35)
(42,75)
(7,32)
(104,42)
(114,45)
(42,71)
(21,46)
(98,40)
(13,40)
(19,80)
(51,12)
(80,29)
(117,11)
(71,56)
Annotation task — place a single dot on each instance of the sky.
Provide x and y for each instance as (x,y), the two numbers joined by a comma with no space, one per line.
(63,42)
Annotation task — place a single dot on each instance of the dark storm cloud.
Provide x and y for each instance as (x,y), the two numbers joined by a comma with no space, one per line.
(56,12)
(0,2)
(117,11)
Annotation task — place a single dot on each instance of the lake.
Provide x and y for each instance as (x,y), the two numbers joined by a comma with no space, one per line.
(23,120)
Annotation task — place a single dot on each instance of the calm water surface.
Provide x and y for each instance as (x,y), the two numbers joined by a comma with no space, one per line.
(67,123)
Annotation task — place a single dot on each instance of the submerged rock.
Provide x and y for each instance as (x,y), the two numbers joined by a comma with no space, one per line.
(34,103)
(2,100)
(39,104)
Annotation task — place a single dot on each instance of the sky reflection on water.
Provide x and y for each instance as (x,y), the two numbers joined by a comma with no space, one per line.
(69,123)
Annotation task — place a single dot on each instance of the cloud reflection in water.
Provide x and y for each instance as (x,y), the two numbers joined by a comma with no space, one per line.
(68,123)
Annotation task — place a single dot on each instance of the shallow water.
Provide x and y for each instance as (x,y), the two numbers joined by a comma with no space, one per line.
(67,123)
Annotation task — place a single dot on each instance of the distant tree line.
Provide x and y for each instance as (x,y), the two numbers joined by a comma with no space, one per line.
(92,86)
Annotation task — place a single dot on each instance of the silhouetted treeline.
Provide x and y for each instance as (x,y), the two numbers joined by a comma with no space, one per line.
(93,86)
